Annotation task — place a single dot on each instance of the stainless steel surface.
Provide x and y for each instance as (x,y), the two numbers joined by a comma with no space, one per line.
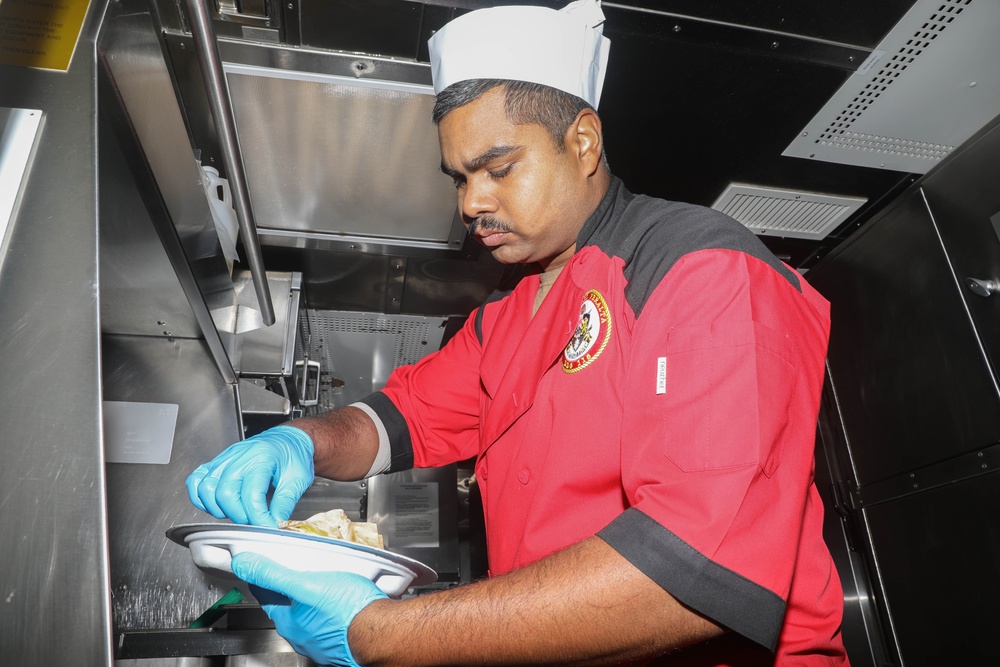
(140,291)
(219,102)
(18,129)
(255,398)
(53,522)
(269,660)
(339,167)
(139,104)
(357,351)
(166,662)
(351,158)
(154,583)
(266,351)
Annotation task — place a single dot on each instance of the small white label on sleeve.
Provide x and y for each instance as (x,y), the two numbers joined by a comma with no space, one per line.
(661,375)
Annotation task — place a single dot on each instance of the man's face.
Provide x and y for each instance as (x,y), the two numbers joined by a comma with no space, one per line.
(519,195)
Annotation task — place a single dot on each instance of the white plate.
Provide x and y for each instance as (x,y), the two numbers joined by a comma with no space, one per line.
(213,546)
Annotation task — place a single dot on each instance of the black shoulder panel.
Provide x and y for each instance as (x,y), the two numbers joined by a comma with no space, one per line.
(651,235)
(496,295)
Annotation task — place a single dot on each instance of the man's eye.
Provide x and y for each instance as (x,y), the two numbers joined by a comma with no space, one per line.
(500,173)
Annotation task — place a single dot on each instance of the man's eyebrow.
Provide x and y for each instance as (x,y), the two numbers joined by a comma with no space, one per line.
(481,160)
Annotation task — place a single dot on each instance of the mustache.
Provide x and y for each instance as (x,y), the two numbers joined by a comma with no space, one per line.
(488,223)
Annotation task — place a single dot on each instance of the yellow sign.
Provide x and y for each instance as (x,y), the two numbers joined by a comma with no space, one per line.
(40,33)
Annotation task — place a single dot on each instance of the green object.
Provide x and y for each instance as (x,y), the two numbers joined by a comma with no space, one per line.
(215,612)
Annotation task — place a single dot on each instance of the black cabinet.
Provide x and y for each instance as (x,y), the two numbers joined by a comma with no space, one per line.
(910,424)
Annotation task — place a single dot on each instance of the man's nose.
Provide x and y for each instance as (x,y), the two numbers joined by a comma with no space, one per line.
(477,201)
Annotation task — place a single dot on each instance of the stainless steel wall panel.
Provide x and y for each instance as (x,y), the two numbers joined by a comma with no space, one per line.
(135,62)
(154,139)
(354,156)
(141,294)
(54,601)
(154,582)
(357,351)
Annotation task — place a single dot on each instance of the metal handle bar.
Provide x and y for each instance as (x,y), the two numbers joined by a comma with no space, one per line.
(210,63)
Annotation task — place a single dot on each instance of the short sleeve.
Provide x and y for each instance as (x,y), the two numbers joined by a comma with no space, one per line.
(436,402)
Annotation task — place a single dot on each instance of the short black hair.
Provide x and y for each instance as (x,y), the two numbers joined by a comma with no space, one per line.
(525,103)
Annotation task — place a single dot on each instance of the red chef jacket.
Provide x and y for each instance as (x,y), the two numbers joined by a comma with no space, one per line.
(664,397)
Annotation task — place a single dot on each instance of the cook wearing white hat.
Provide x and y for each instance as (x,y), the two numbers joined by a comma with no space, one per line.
(564,49)
(624,520)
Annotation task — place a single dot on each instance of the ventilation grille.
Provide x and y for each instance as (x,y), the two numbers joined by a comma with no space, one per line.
(415,336)
(772,212)
(885,145)
(839,131)
(928,86)
(357,351)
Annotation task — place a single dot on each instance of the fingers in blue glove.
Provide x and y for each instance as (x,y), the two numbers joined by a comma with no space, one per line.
(235,483)
(314,609)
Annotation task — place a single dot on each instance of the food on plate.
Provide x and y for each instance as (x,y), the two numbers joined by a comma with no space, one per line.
(335,524)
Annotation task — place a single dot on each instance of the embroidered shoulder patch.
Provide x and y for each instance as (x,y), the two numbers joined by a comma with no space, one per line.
(592,333)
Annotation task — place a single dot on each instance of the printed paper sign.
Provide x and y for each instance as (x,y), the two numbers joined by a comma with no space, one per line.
(415,516)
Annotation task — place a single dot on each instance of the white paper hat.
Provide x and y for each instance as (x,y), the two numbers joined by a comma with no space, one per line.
(564,49)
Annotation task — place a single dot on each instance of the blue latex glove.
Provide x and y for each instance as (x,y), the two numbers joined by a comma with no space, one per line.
(235,483)
(313,609)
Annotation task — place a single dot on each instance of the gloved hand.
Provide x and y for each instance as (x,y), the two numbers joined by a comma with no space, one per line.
(316,609)
(235,483)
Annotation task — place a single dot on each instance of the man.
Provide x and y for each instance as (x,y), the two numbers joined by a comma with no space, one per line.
(647,487)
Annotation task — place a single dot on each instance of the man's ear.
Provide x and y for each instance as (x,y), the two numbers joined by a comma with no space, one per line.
(586,140)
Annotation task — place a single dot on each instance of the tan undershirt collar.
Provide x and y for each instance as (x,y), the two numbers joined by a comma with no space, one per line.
(545,281)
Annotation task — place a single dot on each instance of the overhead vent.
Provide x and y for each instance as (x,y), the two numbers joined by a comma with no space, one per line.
(788,213)
(929,85)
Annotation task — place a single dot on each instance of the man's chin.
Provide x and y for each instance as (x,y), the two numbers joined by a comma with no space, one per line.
(509,257)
